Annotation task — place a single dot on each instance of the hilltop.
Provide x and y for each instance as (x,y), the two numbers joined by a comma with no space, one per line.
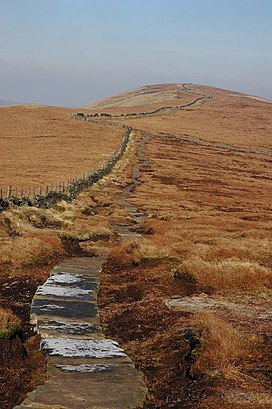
(159,95)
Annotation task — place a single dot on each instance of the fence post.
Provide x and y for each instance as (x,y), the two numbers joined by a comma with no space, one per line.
(9,192)
(1,193)
(28,194)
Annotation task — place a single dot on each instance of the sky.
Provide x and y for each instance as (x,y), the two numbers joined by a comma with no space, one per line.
(74,52)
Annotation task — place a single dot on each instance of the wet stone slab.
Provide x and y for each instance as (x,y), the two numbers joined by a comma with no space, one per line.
(86,368)
(90,266)
(61,308)
(124,231)
(67,328)
(82,348)
(66,279)
(75,293)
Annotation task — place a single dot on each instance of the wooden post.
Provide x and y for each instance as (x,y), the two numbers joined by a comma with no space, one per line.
(28,194)
(9,192)
(46,190)
(1,193)
(16,192)
(22,193)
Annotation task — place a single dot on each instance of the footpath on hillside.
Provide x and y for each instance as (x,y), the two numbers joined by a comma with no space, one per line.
(85,369)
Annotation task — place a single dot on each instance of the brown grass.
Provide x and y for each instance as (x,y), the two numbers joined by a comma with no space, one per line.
(135,250)
(44,146)
(228,118)
(221,347)
(226,275)
(143,99)
(208,208)
(9,323)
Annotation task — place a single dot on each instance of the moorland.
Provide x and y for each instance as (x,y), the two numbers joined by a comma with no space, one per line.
(189,299)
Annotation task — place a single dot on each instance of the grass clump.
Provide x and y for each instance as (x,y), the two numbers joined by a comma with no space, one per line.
(230,275)
(135,250)
(220,347)
(9,323)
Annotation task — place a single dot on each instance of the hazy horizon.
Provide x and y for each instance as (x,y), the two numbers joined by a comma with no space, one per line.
(75,52)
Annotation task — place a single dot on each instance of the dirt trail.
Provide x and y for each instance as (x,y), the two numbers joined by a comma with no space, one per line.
(137,218)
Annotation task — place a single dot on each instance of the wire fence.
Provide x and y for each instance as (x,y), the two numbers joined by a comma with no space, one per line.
(46,196)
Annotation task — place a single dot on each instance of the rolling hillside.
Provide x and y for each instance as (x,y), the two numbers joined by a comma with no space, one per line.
(186,219)
(202,275)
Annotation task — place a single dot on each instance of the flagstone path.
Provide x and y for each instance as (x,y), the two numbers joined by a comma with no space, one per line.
(86,370)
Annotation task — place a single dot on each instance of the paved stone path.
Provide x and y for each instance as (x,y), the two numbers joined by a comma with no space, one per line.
(85,369)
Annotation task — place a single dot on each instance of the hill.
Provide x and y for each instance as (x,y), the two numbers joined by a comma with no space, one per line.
(151,96)
(191,291)
(221,115)
(186,219)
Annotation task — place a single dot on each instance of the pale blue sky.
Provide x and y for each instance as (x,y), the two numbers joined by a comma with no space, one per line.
(72,52)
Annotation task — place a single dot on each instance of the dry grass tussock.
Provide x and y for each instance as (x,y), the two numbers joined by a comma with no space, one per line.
(31,235)
(134,250)
(220,348)
(54,218)
(9,323)
(31,248)
(230,275)
(220,248)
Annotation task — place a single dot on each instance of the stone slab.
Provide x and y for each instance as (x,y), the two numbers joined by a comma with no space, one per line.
(60,308)
(70,329)
(119,388)
(81,348)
